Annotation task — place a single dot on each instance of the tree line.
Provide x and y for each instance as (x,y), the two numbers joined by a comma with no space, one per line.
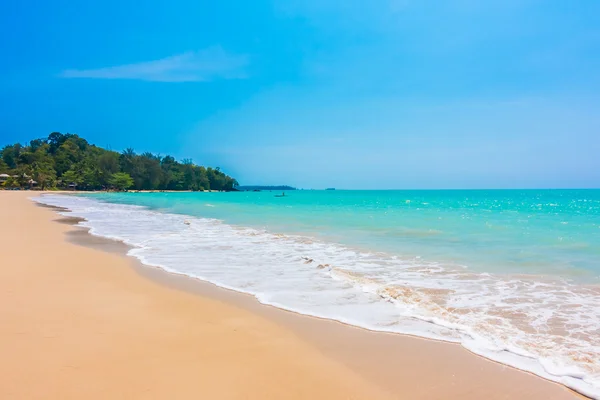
(69,161)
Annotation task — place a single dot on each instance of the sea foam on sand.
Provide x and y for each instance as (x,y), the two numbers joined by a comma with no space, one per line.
(542,325)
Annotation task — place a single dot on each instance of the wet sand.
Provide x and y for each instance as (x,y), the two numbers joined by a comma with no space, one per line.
(81,320)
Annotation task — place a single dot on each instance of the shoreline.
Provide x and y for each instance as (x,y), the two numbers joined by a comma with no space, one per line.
(364,362)
(81,323)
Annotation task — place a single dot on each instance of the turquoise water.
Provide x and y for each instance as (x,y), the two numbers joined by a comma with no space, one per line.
(505,231)
(512,275)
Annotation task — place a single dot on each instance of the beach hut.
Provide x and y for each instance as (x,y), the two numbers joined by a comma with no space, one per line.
(4,177)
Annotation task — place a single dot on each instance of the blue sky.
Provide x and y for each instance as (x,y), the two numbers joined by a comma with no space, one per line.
(350,94)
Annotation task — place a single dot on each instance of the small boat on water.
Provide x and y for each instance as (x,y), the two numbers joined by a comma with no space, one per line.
(330,189)
(280,195)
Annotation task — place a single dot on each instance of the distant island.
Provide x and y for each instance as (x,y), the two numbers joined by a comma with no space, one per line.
(250,188)
(68,161)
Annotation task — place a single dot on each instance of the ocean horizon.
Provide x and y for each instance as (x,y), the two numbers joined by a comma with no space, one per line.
(510,274)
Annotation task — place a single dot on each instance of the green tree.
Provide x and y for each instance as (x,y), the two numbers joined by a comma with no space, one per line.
(67,154)
(12,182)
(202,180)
(55,140)
(126,160)
(70,159)
(152,172)
(172,177)
(35,144)
(10,155)
(26,158)
(23,175)
(71,177)
(121,181)
(44,174)
(79,142)
(108,164)
(3,167)
(90,175)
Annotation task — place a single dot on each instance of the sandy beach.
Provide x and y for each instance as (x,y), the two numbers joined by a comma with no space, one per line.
(80,320)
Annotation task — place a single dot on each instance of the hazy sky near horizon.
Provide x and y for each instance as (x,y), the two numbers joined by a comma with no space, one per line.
(318,93)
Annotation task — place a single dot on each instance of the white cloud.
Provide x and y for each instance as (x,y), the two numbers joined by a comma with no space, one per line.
(194,66)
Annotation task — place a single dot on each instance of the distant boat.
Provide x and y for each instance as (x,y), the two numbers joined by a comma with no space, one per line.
(330,189)
(280,195)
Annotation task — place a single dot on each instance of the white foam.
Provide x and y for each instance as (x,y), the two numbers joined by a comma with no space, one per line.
(546,326)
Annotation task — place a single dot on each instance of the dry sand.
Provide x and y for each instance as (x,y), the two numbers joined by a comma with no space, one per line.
(79,322)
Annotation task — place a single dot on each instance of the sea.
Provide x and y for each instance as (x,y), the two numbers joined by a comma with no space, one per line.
(511,275)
